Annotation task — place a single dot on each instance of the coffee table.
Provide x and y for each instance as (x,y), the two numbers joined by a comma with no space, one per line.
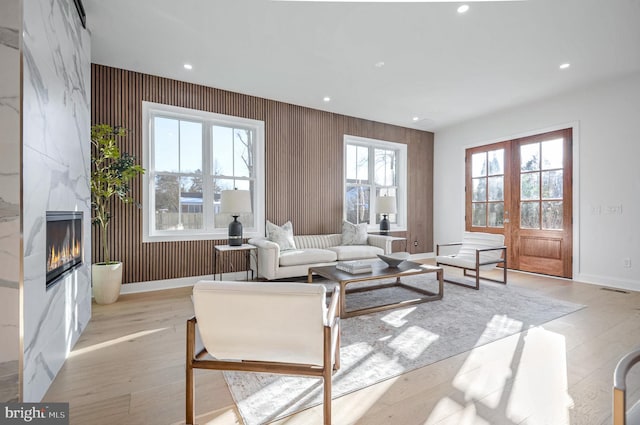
(379,270)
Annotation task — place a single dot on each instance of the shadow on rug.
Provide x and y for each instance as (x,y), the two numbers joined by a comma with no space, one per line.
(382,345)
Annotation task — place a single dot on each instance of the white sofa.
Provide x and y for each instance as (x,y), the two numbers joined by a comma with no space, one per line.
(314,250)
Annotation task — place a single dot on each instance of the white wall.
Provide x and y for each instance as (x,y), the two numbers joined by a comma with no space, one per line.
(55,177)
(10,24)
(606,117)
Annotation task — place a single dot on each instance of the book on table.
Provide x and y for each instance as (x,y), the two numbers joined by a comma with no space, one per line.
(354,267)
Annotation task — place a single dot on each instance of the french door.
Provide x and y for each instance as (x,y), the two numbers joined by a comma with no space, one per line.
(522,188)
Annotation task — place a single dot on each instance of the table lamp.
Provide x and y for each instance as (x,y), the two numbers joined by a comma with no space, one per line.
(235,202)
(385,205)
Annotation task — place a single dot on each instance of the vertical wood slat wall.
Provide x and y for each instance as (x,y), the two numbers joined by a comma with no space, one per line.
(304,169)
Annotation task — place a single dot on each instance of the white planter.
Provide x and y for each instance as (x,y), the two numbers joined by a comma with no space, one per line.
(106,280)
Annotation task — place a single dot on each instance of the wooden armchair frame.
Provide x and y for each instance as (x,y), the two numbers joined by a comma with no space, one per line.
(197,360)
(622,416)
(478,264)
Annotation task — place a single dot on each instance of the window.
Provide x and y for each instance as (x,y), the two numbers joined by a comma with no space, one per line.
(487,176)
(191,157)
(541,185)
(374,168)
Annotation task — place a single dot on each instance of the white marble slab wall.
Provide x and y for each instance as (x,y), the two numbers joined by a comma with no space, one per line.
(56,166)
(10,255)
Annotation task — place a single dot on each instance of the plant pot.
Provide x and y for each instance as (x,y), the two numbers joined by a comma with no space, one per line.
(106,280)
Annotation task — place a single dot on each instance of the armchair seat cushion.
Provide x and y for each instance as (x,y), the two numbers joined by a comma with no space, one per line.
(462,262)
(355,252)
(306,256)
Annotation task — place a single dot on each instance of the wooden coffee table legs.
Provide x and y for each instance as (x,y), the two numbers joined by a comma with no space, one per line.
(425,295)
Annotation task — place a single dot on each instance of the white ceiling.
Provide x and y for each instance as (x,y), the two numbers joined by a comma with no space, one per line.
(440,66)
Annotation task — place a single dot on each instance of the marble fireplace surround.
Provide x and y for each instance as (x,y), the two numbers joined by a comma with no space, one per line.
(48,41)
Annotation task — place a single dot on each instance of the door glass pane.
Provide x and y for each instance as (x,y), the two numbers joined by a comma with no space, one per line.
(479,189)
(496,188)
(552,184)
(530,157)
(496,162)
(552,154)
(552,215)
(479,164)
(529,215)
(479,214)
(357,198)
(530,186)
(496,214)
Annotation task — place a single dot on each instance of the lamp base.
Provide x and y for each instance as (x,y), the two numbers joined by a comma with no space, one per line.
(235,232)
(384,225)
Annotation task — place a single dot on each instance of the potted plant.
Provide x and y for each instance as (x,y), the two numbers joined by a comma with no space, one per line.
(112,170)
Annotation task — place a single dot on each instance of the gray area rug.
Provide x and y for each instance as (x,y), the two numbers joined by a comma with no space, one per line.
(382,345)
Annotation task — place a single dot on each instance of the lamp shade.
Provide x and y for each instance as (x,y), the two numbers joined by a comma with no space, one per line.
(386,205)
(235,201)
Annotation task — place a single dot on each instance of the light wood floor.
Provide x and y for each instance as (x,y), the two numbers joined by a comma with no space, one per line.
(128,368)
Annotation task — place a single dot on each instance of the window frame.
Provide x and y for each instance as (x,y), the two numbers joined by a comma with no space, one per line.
(151,110)
(401,178)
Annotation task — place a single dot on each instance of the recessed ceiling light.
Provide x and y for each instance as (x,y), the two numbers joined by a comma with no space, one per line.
(463,8)
(188,66)
(565,65)
(326,99)
(415,118)
(379,64)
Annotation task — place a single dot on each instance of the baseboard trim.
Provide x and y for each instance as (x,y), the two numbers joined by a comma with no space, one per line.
(159,285)
(626,284)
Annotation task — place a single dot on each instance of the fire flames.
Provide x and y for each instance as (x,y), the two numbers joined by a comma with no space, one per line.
(59,256)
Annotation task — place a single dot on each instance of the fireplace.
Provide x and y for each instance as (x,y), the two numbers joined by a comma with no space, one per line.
(64,243)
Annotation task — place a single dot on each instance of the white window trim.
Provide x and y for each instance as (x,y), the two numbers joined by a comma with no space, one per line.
(151,108)
(401,191)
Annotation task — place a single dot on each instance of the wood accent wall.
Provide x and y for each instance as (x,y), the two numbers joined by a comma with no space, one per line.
(304,150)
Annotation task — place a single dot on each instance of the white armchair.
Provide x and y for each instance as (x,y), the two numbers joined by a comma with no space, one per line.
(478,251)
(248,326)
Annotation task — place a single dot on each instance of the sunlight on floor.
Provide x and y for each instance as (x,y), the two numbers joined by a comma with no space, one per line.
(396,318)
(412,342)
(516,378)
(466,416)
(114,341)
(476,382)
(540,386)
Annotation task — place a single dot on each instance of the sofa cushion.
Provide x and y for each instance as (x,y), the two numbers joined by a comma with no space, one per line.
(354,234)
(356,252)
(282,235)
(306,256)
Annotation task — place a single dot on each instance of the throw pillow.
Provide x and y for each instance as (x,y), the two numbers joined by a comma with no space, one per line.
(354,234)
(282,235)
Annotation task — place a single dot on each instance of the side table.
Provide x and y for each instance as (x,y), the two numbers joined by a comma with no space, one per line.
(248,249)
(393,239)
(399,239)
